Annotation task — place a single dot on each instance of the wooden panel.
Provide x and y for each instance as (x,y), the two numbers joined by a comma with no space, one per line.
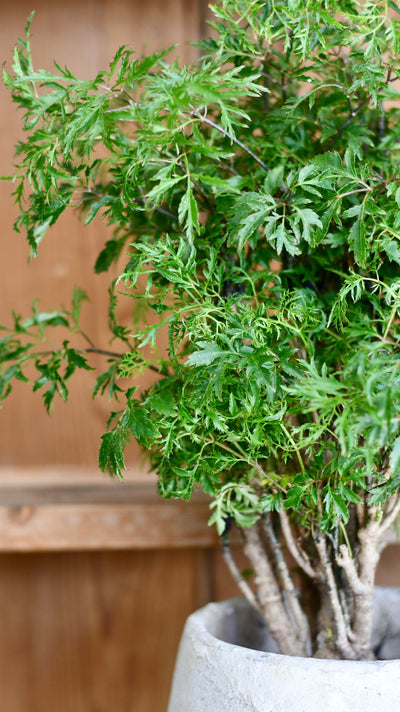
(388,573)
(84,34)
(67,510)
(94,632)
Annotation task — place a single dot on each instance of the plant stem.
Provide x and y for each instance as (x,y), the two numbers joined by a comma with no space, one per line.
(299,556)
(113,354)
(237,576)
(299,618)
(273,609)
(345,123)
(219,128)
(341,632)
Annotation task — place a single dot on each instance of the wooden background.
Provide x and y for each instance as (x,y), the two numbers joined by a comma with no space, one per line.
(96,578)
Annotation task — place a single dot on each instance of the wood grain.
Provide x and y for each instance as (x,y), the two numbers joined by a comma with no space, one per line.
(87,632)
(73,509)
(84,35)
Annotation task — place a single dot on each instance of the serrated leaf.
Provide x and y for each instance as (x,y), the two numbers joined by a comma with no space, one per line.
(284,239)
(274,179)
(349,495)
(188,212)
(163,186)
(349,159)
(111,453)
(208,353)
(357,236)
(392,249)
(340,506)
(352,212)
(109,255)
(163,403)
(141,425)
(308,219)
(305,172)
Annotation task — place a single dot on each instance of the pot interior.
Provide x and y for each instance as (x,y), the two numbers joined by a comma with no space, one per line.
(240,624)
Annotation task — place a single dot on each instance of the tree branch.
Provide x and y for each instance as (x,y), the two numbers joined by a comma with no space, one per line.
(368,557)
(270,597)
(114,354)
(299,556)
(390,518)
(219,128)
(237,576)
(342,640)
(349,567)
(299,618)
(345,123)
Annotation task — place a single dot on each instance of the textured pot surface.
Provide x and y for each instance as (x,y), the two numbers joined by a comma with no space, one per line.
(223,666)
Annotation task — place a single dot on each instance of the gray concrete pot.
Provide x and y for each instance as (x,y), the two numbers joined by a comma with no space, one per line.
(223,666)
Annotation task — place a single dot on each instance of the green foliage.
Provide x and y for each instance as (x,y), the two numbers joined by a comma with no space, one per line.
(255,198)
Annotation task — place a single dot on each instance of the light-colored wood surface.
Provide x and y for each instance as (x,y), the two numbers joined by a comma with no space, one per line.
(84,35)
(86,632)
(60,509)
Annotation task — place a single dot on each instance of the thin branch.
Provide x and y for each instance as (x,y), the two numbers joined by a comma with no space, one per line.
(157,208)
(299,556)
(349,567)
(390,518)
(342,640)
(345,123)
(351,192)
(88,192)
(219,128)
(102,352)
(298,615)
(382,122)
(114,354)
(237,576)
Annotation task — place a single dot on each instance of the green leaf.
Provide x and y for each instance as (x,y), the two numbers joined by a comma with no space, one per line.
(357,236)
(394,459)
(109,254)
(111,453)
(79,296)
(188,212)
(392,249)
(285,239)
(209,351)
(140,424)
(340,506)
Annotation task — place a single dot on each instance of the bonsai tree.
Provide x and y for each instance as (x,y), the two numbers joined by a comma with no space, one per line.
(253,200)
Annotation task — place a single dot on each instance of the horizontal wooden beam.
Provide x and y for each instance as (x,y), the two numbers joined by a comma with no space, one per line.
(56,509)
(73,508)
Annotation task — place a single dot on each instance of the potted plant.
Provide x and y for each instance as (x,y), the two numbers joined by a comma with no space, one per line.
(253,200)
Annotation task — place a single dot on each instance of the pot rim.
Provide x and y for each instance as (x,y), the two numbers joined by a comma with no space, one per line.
(201,623)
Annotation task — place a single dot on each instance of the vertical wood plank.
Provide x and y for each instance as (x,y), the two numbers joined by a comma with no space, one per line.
(388,573)
(84,35)
(93,632)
